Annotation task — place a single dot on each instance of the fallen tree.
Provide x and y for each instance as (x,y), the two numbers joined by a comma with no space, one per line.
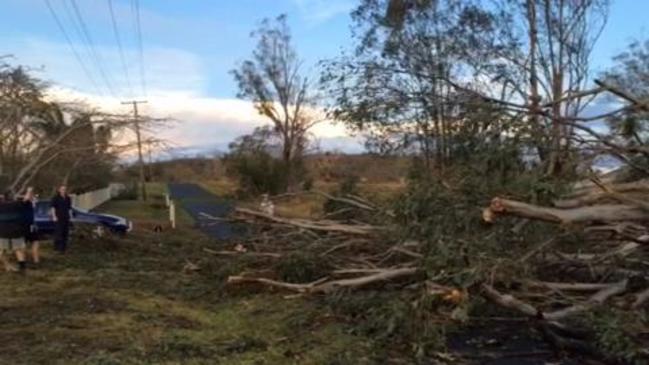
(596,213)
(322,226)
(325,285)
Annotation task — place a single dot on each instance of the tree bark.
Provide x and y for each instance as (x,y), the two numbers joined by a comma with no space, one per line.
(598,213)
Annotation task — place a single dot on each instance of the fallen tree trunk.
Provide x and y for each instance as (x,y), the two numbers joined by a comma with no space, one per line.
(620,252)
(568,286)
(588,199)
(634,232)
(325,286)
(328,226)
(599,298)
(511,302)
(599,213)
(300,288)
(247,253)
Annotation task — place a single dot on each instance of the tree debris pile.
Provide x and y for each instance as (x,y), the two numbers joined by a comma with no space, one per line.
(492,224)
(320,256)
(567,268)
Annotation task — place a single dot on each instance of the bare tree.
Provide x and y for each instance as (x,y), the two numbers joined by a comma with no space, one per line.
(562,35)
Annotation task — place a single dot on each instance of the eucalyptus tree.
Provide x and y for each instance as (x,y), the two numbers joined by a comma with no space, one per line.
(272,79)
(401,84)
(425,72)
(630,73)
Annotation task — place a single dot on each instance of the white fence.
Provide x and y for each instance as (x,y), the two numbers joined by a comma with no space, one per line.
(93,199)
(171,205)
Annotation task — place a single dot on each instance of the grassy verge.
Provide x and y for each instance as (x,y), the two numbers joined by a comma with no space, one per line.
(133,301)
(222,187)
(149,213)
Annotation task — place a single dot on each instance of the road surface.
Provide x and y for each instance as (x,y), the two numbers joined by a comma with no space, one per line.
(199,202)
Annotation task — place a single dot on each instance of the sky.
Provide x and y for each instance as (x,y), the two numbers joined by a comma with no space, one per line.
(188,49)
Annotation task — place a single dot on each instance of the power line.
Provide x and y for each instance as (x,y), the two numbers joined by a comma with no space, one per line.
(138,29)
(90,53)
(93,51)
(79,32)
(119,45)
(72,47)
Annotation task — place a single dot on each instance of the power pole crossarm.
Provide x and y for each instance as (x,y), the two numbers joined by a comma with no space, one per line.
(136,123)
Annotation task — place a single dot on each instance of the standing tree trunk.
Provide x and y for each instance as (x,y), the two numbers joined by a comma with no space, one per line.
(534,98)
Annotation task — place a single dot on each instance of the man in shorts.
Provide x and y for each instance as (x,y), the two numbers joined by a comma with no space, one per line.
(17,245)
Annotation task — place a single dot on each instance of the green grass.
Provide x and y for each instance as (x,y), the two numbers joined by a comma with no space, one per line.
(130,301)
(150,212)
(223,187)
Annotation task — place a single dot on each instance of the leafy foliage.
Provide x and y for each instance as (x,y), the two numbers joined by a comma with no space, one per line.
(631,73)
(612,330)
(338,210)
(252,163)
(394,322)
(302,268)
(44,143)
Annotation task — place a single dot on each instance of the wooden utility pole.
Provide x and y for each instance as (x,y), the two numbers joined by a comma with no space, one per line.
(140,159)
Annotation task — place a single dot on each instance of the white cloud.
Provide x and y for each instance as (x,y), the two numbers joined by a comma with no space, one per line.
(176,83)
(205,123)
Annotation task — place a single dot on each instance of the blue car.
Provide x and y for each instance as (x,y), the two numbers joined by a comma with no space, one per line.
(98,223)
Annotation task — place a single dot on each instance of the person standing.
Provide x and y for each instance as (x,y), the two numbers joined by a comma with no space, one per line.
(32,236)
(15,227)
(61,213)
(3,259)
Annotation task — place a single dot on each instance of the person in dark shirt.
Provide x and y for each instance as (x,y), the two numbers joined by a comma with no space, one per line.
(61,212)
(31,237)
(15,225)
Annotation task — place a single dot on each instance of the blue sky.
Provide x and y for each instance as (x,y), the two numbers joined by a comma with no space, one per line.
(189,47)
(211,34)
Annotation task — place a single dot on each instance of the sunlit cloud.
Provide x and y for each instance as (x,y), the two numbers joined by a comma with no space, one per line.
(204,124)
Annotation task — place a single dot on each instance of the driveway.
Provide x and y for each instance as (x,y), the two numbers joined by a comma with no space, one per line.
(199,202)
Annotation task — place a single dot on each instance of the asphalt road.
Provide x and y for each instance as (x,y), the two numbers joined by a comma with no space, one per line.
(198,202)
